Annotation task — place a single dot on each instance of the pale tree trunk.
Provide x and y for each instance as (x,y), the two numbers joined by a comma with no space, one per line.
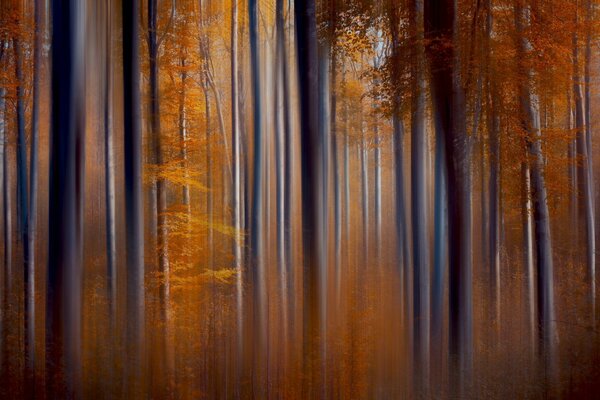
(494,221)
(183,137)
(363,153)
(154,43)
(528,254)
(420,206)
(65,268)
(280,138)
(324,58)
(256,278)
(134,206)
(29,284)
(584,151)
(237,186)
(546,314)
(109,186)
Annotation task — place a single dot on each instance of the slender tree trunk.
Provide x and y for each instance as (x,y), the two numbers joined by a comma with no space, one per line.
(63,291)
(311,176)
(183,137)
(494,207)
(256,278)
(8,233)
(280,138)
(29,284)
(440,246)
(22,202)
(528,254)
(289,173)
(109,176)
(546,314)
(420,203)
(134,210)
(399,175)
(584,169)
(237,186)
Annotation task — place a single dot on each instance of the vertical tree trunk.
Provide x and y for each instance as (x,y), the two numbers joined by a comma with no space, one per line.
(237,186)
(109,186)
(546,314)
(449,106)
(157,160)
(311,174)
(63,292)
(7,230)
(183,135)
(109,175)
(280,138)
(420,204)
(584,169)
(528,255)
(22,202)
(29,284)
(256,273)
(134,210)
(399,175)
(440,250)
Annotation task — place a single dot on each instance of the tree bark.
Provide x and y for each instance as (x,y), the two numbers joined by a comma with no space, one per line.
(134,210)
(311,177)
(63,291)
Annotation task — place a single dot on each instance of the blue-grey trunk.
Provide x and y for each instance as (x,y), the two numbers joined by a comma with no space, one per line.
(584,169)
(530,106)
(63,290)
(134,206)
(420,207)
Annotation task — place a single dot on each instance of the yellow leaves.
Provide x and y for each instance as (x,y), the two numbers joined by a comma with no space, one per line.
(173,172)
(225,276)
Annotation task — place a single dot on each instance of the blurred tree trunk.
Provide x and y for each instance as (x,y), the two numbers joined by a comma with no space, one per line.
(530,103)
(312,171)
(419,203)
(134,207)
(449,106)
(67,171)
(29,283)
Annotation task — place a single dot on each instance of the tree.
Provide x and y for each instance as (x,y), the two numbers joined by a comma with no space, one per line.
(449,107)
(134,210)
(311,170)
(63,291)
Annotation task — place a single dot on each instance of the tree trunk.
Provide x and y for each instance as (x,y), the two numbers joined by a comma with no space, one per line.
(256,278)
(584,169)
(134,206)
(449,106)
(63,291)
(109,185)
(29,284)
(237,186)
(311,177)
(420,205)
(546,314)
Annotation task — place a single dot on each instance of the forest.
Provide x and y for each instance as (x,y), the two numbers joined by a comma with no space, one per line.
(299,199)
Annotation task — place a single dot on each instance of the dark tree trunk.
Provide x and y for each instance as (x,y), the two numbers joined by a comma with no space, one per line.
(63,292)
(449,106)
(134,207)
(311,173)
